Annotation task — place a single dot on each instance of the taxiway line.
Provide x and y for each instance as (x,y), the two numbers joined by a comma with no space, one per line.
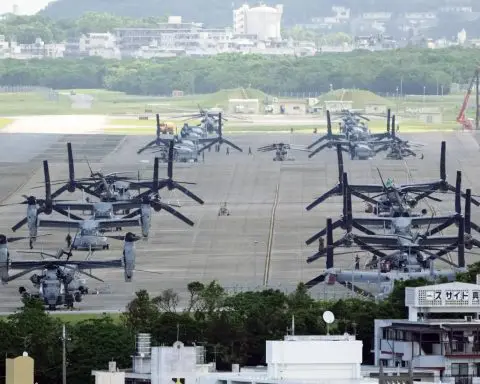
(268,257)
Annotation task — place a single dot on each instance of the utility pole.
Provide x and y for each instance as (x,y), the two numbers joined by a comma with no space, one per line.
(477,100)
(64,355)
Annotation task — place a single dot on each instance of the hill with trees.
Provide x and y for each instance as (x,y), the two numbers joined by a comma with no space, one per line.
(219,12)
(378,72)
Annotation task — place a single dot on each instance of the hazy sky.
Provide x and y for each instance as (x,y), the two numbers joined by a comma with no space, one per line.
(25,7)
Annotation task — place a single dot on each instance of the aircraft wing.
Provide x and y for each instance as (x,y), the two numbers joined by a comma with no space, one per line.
(360,276)
(383,221)
(141,184)
(430,220)
(438,240)
(115,223)
(72,224)
(299,148)
(75,206)
(84,264)
(367,188)
(387,241)
(119,205)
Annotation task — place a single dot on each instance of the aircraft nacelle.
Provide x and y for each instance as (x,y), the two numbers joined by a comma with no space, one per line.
(32,220)
(129,254)
(146,218)
(4,262)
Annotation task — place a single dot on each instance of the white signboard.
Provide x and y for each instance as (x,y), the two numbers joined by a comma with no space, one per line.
(456,296)
(433,296)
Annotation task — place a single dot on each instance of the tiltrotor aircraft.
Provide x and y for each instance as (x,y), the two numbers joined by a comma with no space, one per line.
(281,151)
(59,283)
(406,268)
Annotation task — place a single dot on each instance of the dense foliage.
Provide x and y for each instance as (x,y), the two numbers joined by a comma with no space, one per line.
(381,72)
(25,29)
(219,12)
(232,327)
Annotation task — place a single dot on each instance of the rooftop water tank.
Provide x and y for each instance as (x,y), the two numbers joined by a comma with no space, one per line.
(264,22)
(143,344)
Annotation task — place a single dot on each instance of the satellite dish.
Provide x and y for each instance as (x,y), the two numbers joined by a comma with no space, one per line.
(328,317)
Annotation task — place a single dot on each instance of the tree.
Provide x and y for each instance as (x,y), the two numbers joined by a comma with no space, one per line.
(34,331)
(141,313)
(95,342)
(167,301)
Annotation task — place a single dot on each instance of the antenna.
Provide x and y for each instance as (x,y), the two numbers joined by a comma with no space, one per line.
(329,318)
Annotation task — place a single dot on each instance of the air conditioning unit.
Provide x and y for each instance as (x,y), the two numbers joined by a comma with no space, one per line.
(468,318)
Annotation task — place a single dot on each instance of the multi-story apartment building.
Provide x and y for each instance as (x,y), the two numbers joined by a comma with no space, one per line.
(442,333)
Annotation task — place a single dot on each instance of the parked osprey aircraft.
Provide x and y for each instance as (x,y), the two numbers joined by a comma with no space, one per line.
(414,192)
(281,150)
(5,254)
(405,268)
(400,226)
(357,140)
(107,210)
(89,231)
(59,283)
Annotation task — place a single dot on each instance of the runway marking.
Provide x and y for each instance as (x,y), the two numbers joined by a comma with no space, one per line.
(22,186)
(268,258)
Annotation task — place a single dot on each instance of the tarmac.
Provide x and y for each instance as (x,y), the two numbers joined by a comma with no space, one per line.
(261,244)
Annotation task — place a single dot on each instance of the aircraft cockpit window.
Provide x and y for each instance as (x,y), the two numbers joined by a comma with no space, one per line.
(88,232)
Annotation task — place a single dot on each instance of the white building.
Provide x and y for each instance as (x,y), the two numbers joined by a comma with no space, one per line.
(262,21)
(99,44)
(306,359)
(442,333)
(174,36)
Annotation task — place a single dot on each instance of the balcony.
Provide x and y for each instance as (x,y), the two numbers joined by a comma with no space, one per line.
(459,349)
(428,361)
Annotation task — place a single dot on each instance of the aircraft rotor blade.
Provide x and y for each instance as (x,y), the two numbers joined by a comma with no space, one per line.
(174,212)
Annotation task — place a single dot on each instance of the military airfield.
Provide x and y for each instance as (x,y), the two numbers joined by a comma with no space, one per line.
(262,242)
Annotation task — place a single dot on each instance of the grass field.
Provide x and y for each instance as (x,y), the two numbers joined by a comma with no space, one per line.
(78,317)
(4,121)
(141,127)
(119,103)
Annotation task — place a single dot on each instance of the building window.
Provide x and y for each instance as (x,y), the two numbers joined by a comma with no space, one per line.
(459,369)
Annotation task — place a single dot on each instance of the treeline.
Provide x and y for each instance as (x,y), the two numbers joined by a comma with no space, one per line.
(219,12)
(232,327)
(25,29)
(410,70)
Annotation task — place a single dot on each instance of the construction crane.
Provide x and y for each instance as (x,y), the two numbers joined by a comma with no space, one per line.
(461,118)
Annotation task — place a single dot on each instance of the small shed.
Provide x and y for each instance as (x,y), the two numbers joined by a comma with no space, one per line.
(431,117)
(376,109)
(19,370)
(249,106)
(290,107)
(337,105)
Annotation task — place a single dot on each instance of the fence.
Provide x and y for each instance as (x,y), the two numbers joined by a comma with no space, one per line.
(48,93)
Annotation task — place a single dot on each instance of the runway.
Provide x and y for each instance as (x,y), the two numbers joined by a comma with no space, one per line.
(261,244)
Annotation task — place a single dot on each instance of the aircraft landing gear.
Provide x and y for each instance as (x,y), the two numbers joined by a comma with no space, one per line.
(31,244)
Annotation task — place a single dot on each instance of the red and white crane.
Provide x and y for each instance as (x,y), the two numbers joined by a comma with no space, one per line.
(461,118)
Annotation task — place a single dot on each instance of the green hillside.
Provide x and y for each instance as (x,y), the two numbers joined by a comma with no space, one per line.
(359,98)
(219,12)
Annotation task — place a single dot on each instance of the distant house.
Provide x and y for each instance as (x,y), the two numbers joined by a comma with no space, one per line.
(337,105)
(376,108)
